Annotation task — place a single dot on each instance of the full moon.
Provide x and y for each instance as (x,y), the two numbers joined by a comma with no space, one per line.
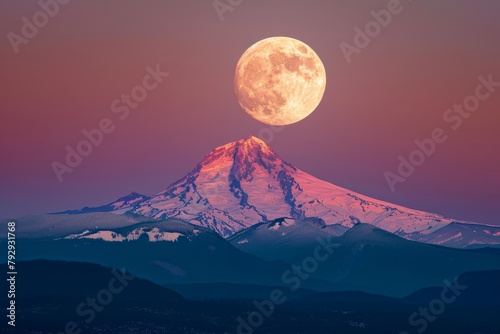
(279,81)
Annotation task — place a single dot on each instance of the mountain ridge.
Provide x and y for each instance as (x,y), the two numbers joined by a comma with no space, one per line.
(245,182)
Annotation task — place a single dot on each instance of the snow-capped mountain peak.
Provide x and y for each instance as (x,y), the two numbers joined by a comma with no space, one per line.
(245,182)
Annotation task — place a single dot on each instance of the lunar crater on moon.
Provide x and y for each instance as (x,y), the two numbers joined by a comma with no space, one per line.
(279,81)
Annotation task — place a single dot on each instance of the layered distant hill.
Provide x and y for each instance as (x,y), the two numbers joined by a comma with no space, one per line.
(52,296)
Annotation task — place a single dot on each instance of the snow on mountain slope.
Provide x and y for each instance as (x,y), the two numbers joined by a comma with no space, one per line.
(153,231)
(121,205)
(461,235)
(244,182)
(153,234)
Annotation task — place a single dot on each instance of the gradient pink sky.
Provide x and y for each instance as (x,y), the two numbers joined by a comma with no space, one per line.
(395,91)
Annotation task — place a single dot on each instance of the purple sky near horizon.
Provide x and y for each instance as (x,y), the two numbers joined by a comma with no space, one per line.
(394,91)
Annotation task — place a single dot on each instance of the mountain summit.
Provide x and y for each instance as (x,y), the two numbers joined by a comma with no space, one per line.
(243,157)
